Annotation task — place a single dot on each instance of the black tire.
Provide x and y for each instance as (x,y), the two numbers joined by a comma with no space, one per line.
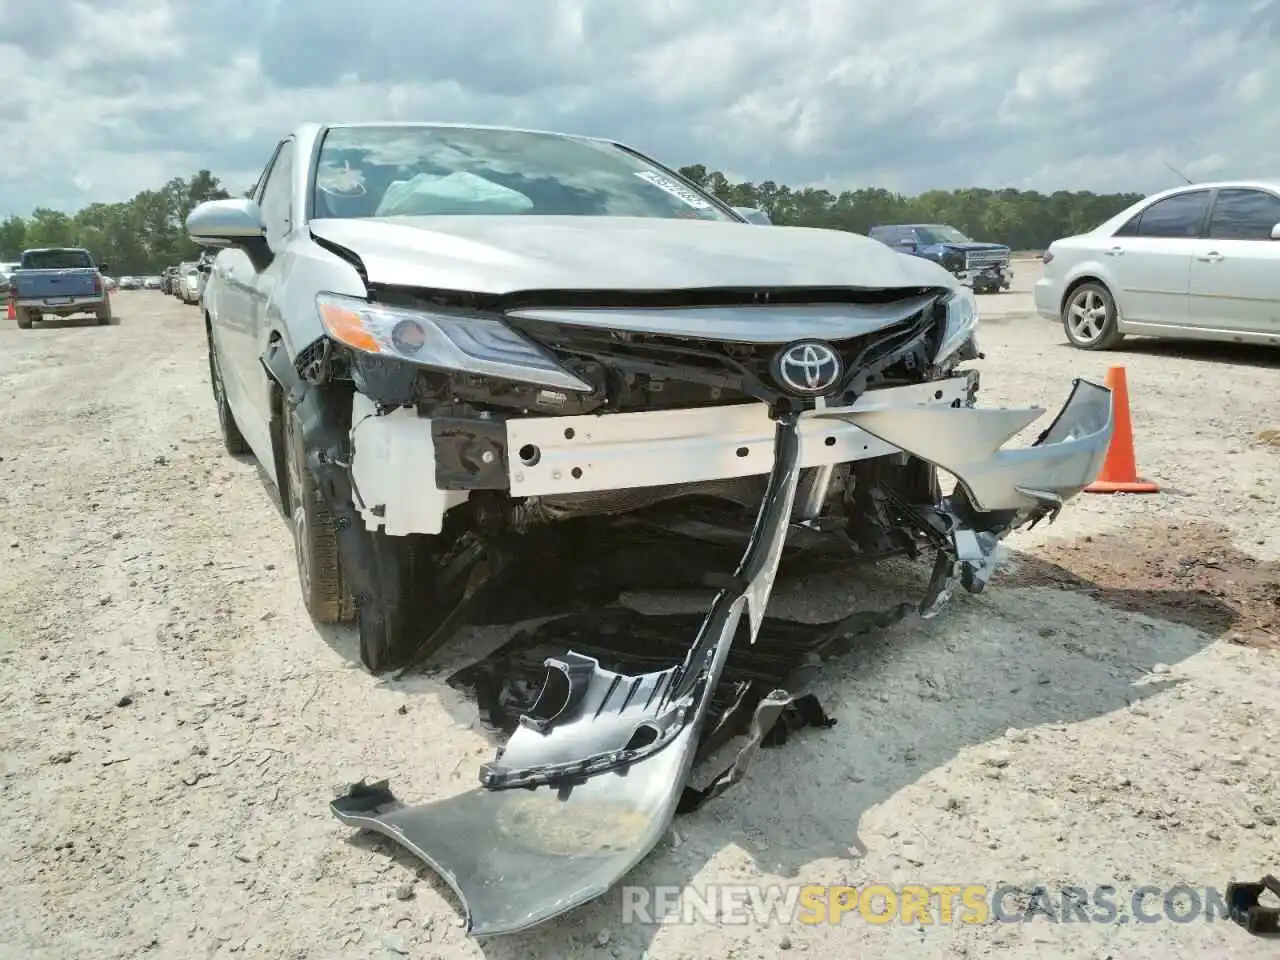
(24,319)
(387,623)
(324,591)
(1089,317)
(104,316)
(232,438)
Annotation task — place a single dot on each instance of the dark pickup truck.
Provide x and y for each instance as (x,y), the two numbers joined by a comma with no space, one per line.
(984,266)
(58,281)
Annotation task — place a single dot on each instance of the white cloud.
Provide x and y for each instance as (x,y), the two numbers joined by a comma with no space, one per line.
(101,99)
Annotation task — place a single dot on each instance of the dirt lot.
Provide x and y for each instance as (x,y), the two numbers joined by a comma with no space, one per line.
(172,727)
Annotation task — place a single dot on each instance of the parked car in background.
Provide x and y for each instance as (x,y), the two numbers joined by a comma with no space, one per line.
(1198,262)
(130,283)
(151,283)
(58,281)
(179,272)
(984,266)
(6,271)
(189,283)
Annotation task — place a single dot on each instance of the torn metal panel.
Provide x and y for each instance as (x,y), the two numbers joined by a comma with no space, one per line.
(599,801)
(598,764)
(966,442)
(558,455)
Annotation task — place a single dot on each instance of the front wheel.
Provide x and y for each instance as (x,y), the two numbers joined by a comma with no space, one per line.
(324,591)
(1089,318)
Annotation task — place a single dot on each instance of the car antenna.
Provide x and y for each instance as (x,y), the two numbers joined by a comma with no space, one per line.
(1182,176)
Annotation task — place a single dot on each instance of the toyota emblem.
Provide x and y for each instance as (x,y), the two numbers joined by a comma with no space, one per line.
(809,368)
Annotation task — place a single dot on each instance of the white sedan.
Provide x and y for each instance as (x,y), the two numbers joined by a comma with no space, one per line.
(1199,262)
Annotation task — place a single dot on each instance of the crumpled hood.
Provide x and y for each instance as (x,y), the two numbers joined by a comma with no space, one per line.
(506,254)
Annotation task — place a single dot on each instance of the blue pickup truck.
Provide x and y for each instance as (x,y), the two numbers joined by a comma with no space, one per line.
(984,266)
(60,282)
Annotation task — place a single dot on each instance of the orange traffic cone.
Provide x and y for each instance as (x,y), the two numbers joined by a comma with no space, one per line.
(1120,469)
(12,312)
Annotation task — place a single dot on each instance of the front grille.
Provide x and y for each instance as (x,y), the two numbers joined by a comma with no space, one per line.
(740,368)
(982,259)
(686,357)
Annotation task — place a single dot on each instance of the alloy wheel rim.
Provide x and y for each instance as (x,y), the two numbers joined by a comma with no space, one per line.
(1087,316)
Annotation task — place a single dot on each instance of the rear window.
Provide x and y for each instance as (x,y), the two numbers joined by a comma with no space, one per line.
(56,260)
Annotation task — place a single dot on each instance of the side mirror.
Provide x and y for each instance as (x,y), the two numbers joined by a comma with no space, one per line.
(911,244)
(103,268)
(231,223)
(226,223)
(1275,232)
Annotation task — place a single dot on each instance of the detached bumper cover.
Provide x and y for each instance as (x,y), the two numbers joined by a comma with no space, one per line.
(967,443)
(592,777)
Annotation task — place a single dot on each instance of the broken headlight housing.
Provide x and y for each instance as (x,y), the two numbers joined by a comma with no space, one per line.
(961,323)
(442,341)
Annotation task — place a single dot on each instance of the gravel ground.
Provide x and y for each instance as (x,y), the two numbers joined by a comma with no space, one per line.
(172,727)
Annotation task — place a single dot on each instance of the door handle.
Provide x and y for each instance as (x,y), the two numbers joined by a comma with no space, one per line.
(1116,252)
(1213,256)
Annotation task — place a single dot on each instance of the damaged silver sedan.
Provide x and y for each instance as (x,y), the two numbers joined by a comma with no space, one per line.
(464,354)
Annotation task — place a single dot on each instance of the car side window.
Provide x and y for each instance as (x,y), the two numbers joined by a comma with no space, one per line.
(1176,217)
(1240,214)
(277,196)
(1130,228)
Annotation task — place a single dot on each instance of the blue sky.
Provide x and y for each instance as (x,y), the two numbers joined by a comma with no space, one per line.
(101,99)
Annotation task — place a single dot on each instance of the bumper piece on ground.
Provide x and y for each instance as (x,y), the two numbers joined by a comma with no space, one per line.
(607,757)
(597,766)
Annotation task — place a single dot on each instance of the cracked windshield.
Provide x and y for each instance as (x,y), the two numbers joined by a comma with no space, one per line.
(396,171)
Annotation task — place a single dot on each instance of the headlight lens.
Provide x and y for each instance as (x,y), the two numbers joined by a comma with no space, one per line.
(465,344)
(962,323)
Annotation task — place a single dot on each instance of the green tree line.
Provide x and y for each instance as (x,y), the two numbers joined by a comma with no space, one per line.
(146,234)
(1022,219)
(139,236)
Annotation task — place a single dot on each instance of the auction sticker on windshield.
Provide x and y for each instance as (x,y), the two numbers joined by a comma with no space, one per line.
(683,194)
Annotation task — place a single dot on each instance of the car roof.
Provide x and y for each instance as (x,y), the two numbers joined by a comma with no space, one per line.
(306,130)
(1264,184)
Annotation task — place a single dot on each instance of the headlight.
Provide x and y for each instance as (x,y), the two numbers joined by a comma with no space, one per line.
(962,322)
(464,344)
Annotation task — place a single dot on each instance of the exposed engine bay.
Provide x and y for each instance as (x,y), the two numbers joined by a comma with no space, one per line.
(593,430)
